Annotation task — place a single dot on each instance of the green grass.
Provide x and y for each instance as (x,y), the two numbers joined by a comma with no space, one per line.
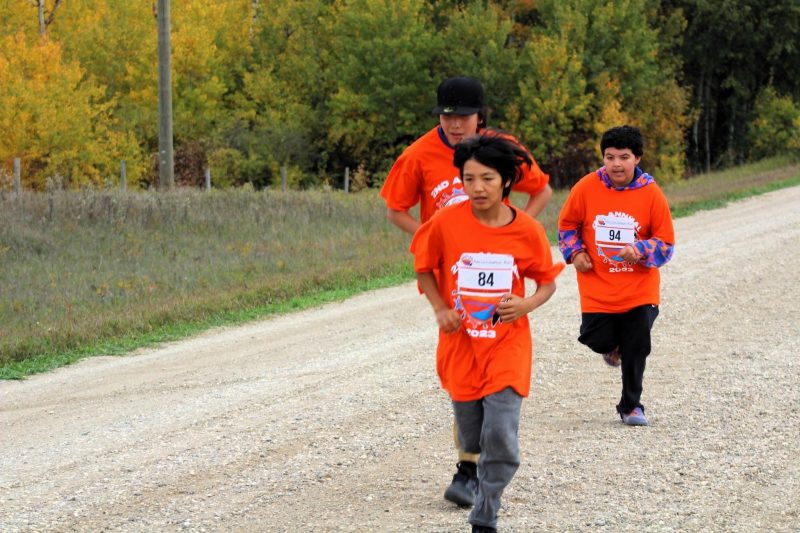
(104,273)
(78,269)
(168,332)
(717,189)
(705,191)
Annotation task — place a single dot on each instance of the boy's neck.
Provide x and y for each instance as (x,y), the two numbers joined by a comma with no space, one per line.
(494,217)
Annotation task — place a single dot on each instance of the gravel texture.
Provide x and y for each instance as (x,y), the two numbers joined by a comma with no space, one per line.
(333,419)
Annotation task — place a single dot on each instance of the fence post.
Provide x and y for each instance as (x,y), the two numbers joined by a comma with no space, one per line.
(208,179)
(17,176)
(123,175)
(346,180)
(283,179)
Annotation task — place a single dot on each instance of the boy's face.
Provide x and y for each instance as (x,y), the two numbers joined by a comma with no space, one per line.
(620,165)
(483,185)
(458,127)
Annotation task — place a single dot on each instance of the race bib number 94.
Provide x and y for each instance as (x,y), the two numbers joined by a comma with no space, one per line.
(610,231)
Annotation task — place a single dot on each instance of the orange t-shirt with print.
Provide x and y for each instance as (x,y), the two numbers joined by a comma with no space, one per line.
(474,265)
(607,219)
(424,174)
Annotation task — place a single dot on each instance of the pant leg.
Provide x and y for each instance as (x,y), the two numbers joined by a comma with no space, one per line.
(499,442)
(463,455)
(599,332)
(469,418)
(634,347)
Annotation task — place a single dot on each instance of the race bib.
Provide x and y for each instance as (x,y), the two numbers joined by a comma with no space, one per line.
(482,280)
(612,234)
(610,231)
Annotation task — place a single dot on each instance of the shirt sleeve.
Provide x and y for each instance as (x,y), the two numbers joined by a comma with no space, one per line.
(533,178)
(658,249)
(570,222)
(426,247)
(655,252)
(401,191)
(542,268)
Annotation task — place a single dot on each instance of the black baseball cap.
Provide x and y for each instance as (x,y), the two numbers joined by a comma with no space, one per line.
(461,95)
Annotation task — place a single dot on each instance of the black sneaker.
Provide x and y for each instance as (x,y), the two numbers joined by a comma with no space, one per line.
(483,529)
(464,486)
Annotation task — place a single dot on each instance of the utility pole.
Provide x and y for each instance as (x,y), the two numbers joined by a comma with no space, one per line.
(166,171)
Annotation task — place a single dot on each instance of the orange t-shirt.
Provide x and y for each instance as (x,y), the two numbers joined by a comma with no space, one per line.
(474,264)
(607,219)
(424,174)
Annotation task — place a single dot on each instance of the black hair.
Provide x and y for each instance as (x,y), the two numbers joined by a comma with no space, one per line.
(497,151)
(623,137)
(483,118)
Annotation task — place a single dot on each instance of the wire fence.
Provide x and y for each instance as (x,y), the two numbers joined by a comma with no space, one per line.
(16,181)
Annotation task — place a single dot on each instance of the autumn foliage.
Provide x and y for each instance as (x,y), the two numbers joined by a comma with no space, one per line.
(314,86)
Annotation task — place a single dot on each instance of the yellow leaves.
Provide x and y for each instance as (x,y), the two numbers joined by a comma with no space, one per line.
(608,102)
(552,100)
(28,73)
(56,120)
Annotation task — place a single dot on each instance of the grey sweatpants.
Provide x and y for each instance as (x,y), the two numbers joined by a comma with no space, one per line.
(490,427)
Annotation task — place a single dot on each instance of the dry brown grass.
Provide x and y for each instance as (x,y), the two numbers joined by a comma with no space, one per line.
(80,268)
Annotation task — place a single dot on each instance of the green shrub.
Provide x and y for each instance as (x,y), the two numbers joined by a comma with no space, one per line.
(775,128)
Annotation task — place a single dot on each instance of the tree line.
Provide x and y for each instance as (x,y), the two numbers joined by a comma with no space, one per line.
(315,86)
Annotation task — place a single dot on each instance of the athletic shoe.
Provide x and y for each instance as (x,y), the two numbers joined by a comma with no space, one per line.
(612,358)
(635,418)
(483,529)
(464,486)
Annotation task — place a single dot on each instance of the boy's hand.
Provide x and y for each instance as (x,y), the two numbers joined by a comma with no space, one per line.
(629,254)
(582,262)
(511,307)
(448,320)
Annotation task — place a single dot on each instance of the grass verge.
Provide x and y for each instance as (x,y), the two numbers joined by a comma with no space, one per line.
(85,274)
(180,330)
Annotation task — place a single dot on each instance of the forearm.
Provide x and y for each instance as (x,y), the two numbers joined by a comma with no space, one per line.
(512,306)
(538,201)
(540,296)
(654,252)
(427,282)
(570,243)
(446,317)
(403,220)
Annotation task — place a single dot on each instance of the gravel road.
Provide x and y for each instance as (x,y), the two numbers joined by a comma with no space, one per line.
(332,419)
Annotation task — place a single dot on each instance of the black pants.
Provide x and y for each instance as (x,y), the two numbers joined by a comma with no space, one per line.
(602,332)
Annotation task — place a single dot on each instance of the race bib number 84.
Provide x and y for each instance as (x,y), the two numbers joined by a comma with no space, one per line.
(482,280)
(485,273)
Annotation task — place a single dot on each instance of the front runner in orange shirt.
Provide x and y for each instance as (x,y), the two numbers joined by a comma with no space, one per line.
(424,174)
(471,261)
(616,228)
